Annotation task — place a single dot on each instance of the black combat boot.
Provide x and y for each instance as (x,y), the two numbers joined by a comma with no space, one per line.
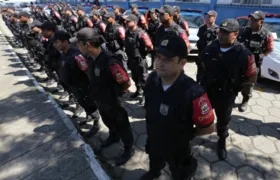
(110,140)
(221,150)
(95,128)
(244,104)
(78,111)
(126,155)
(150,175)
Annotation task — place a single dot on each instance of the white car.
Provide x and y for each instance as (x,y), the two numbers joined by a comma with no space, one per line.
(270,68)
(195,20)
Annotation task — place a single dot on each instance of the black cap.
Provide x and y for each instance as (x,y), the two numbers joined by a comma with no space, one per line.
(212,13)
(80,8)
(177,9)
(61,35)
(25,14)
(230,25)
(116,7)
(110,14)
(172,45)
(133,6)
(166,9)
(47,26)
(86,34)
(95,13)
(131,17)
(258,15)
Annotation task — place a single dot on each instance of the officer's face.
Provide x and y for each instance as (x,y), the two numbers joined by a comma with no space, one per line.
(109,20)
(116,11)
(23,19)
(255,23)
(168,67)
(134,10)
(80,13)
(176,16)
(130,24)
(83,47)
(58,45)
(164,18)
(226,38)
(47,33)
(210,19)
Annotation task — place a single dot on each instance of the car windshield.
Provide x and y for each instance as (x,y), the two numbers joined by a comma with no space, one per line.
(194,21)
(273,27)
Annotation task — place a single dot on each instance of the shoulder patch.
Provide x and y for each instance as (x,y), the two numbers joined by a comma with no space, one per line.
(203,114)
(82,62)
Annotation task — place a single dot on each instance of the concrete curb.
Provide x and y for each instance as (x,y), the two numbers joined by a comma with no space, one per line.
(90,156)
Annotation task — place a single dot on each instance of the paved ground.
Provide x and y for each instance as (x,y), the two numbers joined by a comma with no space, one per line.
(253,145)
(37,139)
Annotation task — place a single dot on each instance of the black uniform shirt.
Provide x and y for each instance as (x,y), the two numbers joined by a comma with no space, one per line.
(171,114)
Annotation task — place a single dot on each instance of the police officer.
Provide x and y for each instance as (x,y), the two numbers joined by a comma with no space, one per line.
(115,36)
(103,11)
(207,33)
(73,77)
(142,23)
(137,45)
(166,13)
(97,22)
(56,18)
(117,11)
(108,80)
(179,20)
(70,21)
(154,23)
(174,104)
(84,20)
(259,41)
(227,65)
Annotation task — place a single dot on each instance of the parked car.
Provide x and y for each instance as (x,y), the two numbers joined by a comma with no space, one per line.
(270,68)
(195,19)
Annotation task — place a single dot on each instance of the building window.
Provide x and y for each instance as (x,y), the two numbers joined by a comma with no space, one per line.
(252,2)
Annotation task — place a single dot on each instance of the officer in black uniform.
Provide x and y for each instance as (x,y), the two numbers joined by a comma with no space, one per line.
(73,77)
(179,20)
(166,13)
(114,36)
(117,11)
(84,20)
(108,80)
(174,104)
(154,23)
(259,41)
(227,65)
(71,21)
(103,11)
(142,23)
(207,33)
(97,22)
(137,45)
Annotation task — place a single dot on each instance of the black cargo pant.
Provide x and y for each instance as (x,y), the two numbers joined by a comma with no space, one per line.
(200,69)
(81,93)
(115,118)
(139,71)
(181,165)
(247,88)
(223,106)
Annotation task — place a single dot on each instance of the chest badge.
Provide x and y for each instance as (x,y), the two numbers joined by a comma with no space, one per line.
(163,109)
(97,72)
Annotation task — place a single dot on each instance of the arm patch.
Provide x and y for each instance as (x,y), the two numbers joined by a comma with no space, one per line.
(252,69)
(82,62)
(203,114)
(119,74)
